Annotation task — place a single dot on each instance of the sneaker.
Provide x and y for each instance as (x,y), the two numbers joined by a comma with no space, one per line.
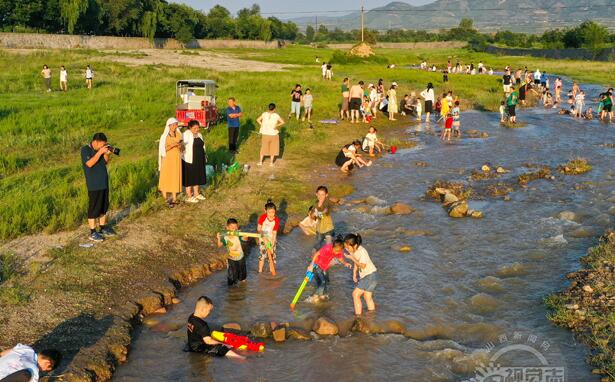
(192,200)
(200,197)
(95,236)
(107,232)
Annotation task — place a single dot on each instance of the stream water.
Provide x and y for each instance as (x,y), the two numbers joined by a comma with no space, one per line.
(481,281)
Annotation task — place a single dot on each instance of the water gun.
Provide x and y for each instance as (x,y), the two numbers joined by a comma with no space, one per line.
(241,234)
(309,275)
(238,342)
(232,168)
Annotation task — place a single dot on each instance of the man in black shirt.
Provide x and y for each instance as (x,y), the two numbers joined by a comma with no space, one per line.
(199,333)
(94,158)
(506,81)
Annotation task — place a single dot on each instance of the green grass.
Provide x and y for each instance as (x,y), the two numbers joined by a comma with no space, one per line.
(41,180)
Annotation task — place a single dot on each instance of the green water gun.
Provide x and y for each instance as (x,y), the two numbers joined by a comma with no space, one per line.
(241,234)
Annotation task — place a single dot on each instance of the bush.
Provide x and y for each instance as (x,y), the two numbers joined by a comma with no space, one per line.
(342,58)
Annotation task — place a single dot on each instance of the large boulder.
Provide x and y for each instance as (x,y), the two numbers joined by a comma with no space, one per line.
(325,327)
(458,209)
(296,333)
(449,199)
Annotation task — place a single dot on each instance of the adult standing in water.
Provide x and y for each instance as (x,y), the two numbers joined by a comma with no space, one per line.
(429,96)
(366,279)
(193,162)
(393,106)
(356,97)
(345,99)
(506,81)
(270,143)
(233,113)
(169,162)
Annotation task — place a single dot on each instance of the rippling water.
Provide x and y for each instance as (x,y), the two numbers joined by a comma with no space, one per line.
(475,280)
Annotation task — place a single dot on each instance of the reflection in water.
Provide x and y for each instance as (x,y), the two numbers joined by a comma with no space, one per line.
(465,286)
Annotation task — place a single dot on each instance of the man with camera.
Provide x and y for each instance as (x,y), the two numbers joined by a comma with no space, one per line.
(94,158)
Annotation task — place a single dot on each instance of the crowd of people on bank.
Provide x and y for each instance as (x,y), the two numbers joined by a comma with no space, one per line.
(47,73)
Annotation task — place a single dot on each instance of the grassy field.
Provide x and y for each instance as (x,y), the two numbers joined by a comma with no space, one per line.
(41,185)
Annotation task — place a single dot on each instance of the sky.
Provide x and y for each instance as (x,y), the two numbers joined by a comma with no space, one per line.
(279,6)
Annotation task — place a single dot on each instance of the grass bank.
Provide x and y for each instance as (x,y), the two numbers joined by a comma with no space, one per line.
(587,306)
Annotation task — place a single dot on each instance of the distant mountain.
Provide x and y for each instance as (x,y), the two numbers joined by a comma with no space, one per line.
(488,15)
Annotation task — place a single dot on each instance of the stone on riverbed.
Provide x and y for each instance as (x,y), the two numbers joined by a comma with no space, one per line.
(567,215)
(374,201)
(450,199)
(279,333)
(401,209)
(501,170)
(299,334)
(483,303)
(512,270)
(325,327)
(458,209)
(261,330)
(232,326)
(490,284)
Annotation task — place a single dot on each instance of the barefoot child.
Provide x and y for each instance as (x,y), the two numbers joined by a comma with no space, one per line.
(456,120)
(448,127)
(236,260)
(502,112)
(322,209)
(308,101)
(372,142)
(199,333)
(367,280)
(320,266)
(356,157)
(268,226)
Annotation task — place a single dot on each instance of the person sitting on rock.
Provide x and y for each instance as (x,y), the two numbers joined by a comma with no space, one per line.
(23,364)
(199,333)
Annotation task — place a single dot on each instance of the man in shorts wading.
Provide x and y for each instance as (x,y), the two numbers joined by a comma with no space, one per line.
(356,98)
(94,158)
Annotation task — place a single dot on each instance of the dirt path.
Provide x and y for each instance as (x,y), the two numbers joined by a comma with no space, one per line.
(196,58)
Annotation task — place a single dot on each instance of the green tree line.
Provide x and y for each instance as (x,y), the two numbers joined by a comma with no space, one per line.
(147,18)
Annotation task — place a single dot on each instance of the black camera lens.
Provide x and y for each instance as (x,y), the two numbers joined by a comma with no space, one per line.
(114,150)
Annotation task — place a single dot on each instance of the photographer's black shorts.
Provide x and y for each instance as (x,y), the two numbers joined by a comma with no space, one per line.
(99,203)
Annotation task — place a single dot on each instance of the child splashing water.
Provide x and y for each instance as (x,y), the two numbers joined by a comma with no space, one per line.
(366,280)
(268,226)
(321,262)
(371,142)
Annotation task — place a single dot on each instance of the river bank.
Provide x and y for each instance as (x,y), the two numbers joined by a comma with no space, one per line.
(587,306)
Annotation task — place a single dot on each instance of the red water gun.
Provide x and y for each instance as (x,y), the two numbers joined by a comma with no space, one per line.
(238,342)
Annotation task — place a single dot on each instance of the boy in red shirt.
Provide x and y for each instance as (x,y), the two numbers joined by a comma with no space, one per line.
(320,266)
(448,127)
(268,226)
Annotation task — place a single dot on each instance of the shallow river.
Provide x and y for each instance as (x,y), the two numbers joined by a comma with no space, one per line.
(521,243)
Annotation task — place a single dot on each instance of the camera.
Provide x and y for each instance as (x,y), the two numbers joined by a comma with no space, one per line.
(114,150)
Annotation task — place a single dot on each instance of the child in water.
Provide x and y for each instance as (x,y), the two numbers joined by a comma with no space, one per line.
(321,261)
(372,142)
(448,127)
(199,333)
(366,281)
(310,223)
(236,266)
(268,226)
(322,209)
(502,112)
(456,120)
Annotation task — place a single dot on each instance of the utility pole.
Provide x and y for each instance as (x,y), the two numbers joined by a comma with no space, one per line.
(316,23)
(362,23)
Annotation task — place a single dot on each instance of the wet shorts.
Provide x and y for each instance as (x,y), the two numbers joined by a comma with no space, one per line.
(511,110)
(263,255)
(607,108)
(355,103)
(368,283)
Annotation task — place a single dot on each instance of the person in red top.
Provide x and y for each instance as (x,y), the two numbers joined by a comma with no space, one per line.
(268,227)
(448,127)
(320,266)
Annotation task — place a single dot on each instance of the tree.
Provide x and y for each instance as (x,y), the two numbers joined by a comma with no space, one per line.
(593,35)
(220,23)
(466,24)
(70,10)
(265,30)
(310,33)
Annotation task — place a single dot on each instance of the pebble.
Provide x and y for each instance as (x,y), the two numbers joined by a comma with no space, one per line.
(588,289)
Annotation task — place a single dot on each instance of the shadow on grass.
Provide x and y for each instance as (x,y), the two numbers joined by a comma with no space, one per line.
(73,335)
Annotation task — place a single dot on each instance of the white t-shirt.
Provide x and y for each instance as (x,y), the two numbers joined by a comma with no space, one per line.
(323,67)
(268,123)
(63,75)
(537,75)
(89,73)
(362,257)
(21,357)
(371,139)
(428,95)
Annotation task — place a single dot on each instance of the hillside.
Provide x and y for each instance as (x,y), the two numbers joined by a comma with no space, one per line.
(517,15)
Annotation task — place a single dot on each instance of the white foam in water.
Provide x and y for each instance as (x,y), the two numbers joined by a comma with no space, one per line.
(554,240)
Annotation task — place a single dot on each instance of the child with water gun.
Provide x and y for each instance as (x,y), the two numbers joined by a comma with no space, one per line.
(320,266)
(200,335)
(237,270)
(325,230)
(268,227)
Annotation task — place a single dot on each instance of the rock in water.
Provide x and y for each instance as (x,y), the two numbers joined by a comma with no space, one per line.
(401,209)
(501,170)
(261,330)
(485,168)
(483,303)
(380,210)
(476,214)
(405,248)
(491,284)
(298,334)
(279,334)
(232,325)
(374,201)
(458,209)
(567,215)
(325,327)
(450,198)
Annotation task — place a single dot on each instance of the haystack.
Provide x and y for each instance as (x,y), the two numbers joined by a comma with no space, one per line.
(362,50)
